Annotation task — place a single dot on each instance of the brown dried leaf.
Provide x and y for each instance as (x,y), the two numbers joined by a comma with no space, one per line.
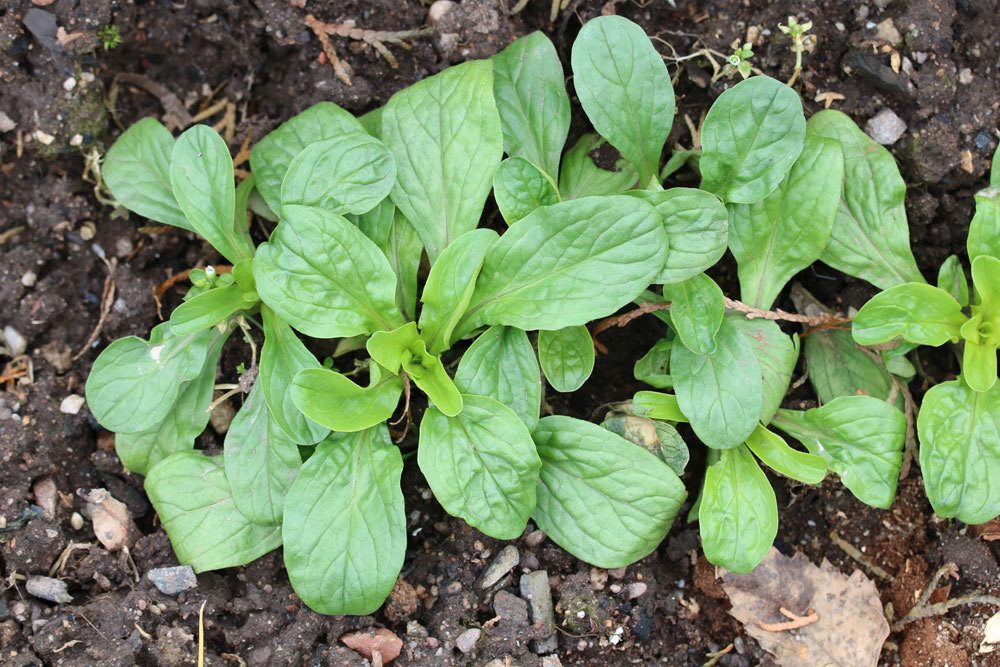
(112,524)
(371,642)
(850,629)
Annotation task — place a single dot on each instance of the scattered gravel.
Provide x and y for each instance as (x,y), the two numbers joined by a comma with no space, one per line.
(505,561)
(173,580)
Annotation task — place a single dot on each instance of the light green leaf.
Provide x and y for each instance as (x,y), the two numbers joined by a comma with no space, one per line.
(519,188)
(624,87)
(501,364)
(696,311)
(323,276)
(345,524)
(697,225)
(772,449)
(398,241)
(201,175)
(600,497)
(986,280)
(777,354)
(208,309)
(979,365)
(720,393)
(960,451)
(653,368)
(192,498)
(350,173)
(984,230)
(336,402)
(785,232)
(995,169)
(404,349)
(738,515)
(261,462)
(657,405)
(836,367)
(136,170)
(860,437)
(445,134)
(918,312)
(870,237)
(596,253)
(567,357)
(281,358)
(530,93)
(270,157)
(481,465)
(951,278)
(581,177)
(750,137)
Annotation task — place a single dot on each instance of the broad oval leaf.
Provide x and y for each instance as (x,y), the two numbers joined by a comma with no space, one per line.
(738,514)
(918,312)
(836,367)
(777,354)
(323,276)
(519,188)
(195,504)
(481,465)
(201,175)
(870,237)
(721,393)
(445,134)
(270,157)
(696,311)
(603,499)
(398,241)
(501,364)
(653,368)
(531,97)
(624,87)
(772,449)
(209,309)
(960,451)
(350,173)
(336,402)
(136,170)
(697,225)
(785,232)
(951,278)
(581,177)
(345,524)
(984,230)
(751,136)
(567,357)
(596,253)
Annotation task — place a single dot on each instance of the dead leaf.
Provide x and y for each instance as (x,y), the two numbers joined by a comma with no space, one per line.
(372,641)
(112,524)
(850,627)
(991,635)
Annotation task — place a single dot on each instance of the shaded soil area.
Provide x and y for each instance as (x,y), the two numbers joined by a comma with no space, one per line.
(245,66)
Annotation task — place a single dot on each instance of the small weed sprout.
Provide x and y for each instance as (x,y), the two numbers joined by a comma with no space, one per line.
(110,36)
(801,42)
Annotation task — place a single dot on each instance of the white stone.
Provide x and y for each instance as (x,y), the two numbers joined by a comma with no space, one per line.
(72,404)
(885,127)
(438,10)
(29,279)
(69,84)
(14,340)
(6,124)
(44,137)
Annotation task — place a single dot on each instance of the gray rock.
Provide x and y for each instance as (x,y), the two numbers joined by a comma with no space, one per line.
(535,589)
(885,127)
(509,607)
(14,340)
(466,641)
(49,589)
(879,76)
(173,580)
(505,561)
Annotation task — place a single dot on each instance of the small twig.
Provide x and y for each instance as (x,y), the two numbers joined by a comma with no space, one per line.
(924,610)
(107,301)
(910,451)
(177,113)
(856,554)
(795,621)
(376,39)
(201,634)
(714,658)
(406,409)
(8,234)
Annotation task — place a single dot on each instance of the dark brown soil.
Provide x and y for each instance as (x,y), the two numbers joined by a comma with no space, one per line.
(260,57)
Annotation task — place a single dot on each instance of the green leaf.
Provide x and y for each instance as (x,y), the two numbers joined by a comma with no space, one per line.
(772,449)
(208,309)
(860,437)
(398,241)
(750,138)
(696,311)
(445,134)
(785,232)
(995,169)
(404,349)
(984,230)
(501,364)
(836,367)
(261,462)
(193,500)
(777,354)
(350,173)
(870,237)
(960,451)
(653,368)
(720,393)
(979,365)
(519,188)
(951,278)
(481,465)
(600,497)
(596,253)
(697,225)
(176,432)
(270,157)
(531,97)
(281,358)
(581,177)
(345,524)
(918,312)
(450,285)
(658,437)
(136,170)
(567,357)
(389,347)
(986,280)
(624,87)
(201,175)
(657,405)
(336,402)
(738,515)
(323,276)
(133,384)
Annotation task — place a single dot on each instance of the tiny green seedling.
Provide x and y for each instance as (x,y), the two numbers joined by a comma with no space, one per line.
(110,36)
(739,59)
(801,42)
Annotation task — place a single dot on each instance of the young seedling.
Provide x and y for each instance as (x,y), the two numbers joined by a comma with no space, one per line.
(801,42)
(739,59)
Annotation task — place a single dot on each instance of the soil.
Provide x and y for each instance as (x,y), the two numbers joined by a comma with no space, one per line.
(67,101)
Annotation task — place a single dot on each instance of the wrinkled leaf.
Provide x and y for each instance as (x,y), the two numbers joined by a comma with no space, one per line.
(696,311)
(566,356)
(777,354)
(951,278)
(836,367)
(984,230)
(653,368)
(917,312)
(501,364)
(398,241)
(581,177)
(519,188)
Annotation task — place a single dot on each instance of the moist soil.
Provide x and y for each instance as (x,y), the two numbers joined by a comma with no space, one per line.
(63,98)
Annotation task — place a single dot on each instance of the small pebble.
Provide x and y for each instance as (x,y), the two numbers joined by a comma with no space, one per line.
(49,589)
(14,341)
(29,279)
(534,538)
(43,137)
(87,230)
(535,589)
(965,76)
(221,417)
(551,661)
(617,573)
(638,589)
(69,84)
(173,580)
(885,127)
(6,124)
(466,641)
(72,404)
(438,10)
(505,561)
(76,140)
(76,521)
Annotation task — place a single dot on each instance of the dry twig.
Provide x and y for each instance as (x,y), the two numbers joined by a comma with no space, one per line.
(856,554)
(922,609)
(107,300)
(377,39)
